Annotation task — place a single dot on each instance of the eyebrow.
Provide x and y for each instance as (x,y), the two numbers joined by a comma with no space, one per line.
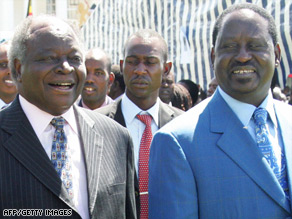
(147,57)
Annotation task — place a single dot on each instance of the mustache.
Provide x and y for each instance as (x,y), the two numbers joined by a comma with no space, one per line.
(140,79)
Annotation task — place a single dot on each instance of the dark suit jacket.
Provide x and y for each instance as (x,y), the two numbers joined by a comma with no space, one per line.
(166,114)
(28,179)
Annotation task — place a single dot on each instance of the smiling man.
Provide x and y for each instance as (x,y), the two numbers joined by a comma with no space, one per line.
(8,89)
(231,155)
(144,64)
(98,80)
(54,155)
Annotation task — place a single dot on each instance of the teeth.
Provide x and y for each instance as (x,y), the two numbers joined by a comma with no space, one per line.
(8,81)
(89,89)
(64,84)
(243,71)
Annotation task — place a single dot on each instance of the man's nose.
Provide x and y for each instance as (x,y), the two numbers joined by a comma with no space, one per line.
(243,55)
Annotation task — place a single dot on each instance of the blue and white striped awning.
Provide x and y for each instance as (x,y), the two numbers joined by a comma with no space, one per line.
(186,26)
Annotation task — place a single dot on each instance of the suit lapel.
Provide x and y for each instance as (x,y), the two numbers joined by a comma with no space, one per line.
(165,114)
(92,143)
(119,117)
(285,123)
(27,149)
(244,152)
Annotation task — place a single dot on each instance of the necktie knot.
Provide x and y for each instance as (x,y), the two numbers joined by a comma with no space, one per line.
(58,122)
(260,116)
(146,119)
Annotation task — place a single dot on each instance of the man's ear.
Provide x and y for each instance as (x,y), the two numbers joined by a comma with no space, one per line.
(17,66)
(212,57)
(110,82)
(277,55)
(121,65)
(111,78)
(167,67)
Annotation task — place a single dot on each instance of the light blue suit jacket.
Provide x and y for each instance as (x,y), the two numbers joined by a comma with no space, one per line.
(205,164)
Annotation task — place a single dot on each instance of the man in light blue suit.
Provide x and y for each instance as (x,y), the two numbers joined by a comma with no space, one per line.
(207,163)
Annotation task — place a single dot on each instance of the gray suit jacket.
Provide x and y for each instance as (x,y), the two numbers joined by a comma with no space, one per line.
(166,114)
(28,180)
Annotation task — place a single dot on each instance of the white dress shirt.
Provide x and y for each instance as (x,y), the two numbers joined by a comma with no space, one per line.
(245,112)
(135,126)
(40,121)
(3,104)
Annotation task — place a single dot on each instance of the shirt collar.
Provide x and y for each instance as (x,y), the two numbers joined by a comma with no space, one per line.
(244,111)
(40,119)
(130,110)
(2,103)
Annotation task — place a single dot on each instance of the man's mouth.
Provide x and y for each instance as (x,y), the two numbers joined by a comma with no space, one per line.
(89,89)
(62,86)
(243,71)
(7,81)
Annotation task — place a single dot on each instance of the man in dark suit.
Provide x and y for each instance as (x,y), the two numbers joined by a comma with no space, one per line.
(231,155)
(145,61)
(54,155)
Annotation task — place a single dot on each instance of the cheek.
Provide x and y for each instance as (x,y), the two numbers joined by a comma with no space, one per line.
(82,75)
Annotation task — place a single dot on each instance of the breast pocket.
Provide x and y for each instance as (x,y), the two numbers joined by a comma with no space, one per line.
(116,189)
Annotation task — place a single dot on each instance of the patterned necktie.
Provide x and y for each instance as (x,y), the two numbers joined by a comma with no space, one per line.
(265,144)
(143,164)
(60,156)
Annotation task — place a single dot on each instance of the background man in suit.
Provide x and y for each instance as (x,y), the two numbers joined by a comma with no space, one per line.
(54,155)
(98,80)
(8,89)
(209,163)
(145,61)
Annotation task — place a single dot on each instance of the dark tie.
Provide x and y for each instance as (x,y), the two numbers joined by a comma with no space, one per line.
(143,164)
(265,144)
(60,156)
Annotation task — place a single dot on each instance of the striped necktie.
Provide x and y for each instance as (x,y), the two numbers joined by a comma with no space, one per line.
(265,144)
(143,164)
(60,154)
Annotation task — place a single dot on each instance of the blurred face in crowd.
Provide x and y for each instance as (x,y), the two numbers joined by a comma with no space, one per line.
(167,86)
(143,68)
(212,87)
(8,89)
(98,80)
(52,74)
(245,57)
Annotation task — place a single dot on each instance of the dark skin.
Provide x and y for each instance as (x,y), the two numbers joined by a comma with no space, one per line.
(53,73)
(8,89)
(166,89)
(98,79)
(143,68)
(244,57)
